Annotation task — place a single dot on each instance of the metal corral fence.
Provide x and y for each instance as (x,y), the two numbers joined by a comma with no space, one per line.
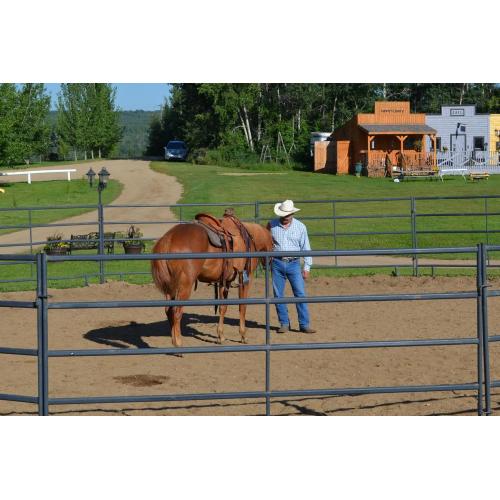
(406,222)
(481,385)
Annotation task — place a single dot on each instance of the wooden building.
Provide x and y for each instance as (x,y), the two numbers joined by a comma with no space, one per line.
(460,129)
(389,136)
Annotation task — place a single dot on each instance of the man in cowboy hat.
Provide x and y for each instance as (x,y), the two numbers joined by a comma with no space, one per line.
(289,234)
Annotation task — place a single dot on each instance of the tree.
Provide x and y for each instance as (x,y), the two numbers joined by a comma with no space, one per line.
(87,118)
(71,116)
(240,119)
(9,147)
(104,129)
(33,126)
(24,129)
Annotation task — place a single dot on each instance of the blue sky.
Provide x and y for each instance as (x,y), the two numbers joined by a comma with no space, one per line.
(129,96)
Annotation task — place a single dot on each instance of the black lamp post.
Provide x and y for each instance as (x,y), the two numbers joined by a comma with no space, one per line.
(103,178)
(90,175)
(103,182)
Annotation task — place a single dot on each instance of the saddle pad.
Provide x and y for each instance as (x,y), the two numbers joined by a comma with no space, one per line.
(213,236)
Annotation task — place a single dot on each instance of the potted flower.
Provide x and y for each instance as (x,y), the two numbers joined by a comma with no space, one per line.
(133,243)
(55,246)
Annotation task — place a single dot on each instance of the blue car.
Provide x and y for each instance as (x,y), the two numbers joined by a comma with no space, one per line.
(176,150)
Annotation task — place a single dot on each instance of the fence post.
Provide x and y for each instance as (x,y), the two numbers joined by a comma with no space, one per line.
(42,334)
(257,212)
(484,316)
(486,224)
(100,213)
(30,222)
(480,330)
(334,212)
(414,236)
(268,339)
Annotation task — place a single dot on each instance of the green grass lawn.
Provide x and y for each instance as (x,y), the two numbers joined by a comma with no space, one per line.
(209,184)
(20,195)
(75,273)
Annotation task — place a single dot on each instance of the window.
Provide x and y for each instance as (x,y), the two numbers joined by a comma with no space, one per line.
(478,143)
(438,144)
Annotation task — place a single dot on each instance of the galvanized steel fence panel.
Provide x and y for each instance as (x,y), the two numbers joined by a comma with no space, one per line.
(482,385)
(398,223)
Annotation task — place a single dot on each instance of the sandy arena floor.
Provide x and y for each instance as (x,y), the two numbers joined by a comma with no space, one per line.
(195,373)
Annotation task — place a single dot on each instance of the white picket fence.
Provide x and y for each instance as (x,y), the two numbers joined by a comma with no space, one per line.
(469,161)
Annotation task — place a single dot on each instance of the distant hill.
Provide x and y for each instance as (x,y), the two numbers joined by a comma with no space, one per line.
(135,131)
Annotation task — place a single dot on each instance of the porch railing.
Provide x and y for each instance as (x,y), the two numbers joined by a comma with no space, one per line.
(473,161)
(377,163)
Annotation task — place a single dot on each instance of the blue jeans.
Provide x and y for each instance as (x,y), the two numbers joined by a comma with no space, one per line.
(281,272)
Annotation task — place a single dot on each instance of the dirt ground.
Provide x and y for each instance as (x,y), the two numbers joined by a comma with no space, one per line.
(197,373)
(224,372)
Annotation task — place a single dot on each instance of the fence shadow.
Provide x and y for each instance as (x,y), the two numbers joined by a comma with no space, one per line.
(134,334)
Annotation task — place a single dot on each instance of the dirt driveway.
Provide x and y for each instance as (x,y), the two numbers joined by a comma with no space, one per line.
(227,372)
(141,185)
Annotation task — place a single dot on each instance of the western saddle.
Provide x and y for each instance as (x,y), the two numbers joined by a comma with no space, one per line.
(230,235)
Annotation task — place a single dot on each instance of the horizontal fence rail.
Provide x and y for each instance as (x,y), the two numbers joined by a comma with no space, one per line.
(481,386)
(332,224)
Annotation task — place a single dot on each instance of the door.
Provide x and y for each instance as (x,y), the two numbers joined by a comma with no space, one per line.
(457,142)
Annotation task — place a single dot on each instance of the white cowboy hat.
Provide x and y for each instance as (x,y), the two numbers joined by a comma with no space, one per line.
(285,208)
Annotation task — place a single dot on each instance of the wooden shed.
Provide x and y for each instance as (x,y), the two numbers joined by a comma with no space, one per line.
(389,136)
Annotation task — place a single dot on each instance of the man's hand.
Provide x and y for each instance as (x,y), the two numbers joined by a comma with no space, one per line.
(305,274)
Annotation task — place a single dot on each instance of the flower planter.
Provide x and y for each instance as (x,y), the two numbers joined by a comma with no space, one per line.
(132,248)
(57,251)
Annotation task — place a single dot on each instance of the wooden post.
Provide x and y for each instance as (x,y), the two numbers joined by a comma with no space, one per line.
(402,139)
(433,139)
(370,137)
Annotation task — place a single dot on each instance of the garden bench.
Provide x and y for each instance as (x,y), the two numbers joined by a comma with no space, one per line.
(476,176)
(90,241)
(452,171)
(407,173)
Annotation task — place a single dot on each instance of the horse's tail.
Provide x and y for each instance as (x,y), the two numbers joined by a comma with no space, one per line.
(160,272)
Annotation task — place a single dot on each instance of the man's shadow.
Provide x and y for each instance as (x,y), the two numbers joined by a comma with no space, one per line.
(133,334)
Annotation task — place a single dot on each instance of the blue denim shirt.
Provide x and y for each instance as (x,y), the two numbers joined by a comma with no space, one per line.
(291,239)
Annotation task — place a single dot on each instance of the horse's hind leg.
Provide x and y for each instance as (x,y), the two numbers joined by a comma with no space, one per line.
(176,312)
(223,291)
(167,308)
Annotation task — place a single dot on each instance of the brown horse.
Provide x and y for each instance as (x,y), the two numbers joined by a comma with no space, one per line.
(177,278)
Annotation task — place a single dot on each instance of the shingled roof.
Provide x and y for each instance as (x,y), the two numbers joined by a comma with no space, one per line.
(398,129)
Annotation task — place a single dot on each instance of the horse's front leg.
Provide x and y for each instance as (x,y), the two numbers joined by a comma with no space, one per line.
(223,291)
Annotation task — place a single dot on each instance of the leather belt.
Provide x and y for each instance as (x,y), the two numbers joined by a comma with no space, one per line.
(288,259)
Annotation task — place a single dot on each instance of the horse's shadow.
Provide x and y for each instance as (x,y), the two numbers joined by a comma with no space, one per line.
(133,334)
